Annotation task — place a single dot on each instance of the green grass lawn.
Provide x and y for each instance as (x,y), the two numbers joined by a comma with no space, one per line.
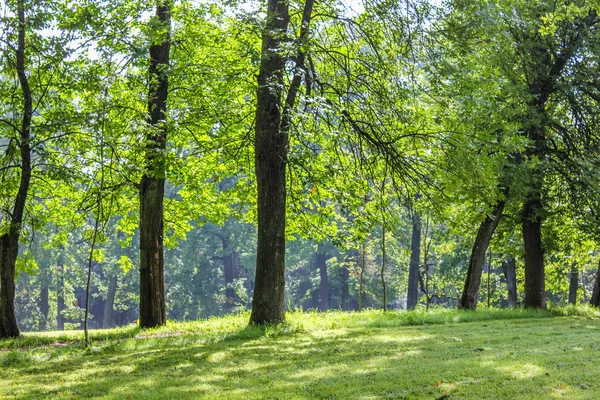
(446,354)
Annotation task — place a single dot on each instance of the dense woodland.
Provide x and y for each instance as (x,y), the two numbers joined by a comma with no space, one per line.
(173,160)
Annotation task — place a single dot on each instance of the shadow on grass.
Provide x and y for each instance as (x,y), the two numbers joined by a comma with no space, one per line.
(495,360)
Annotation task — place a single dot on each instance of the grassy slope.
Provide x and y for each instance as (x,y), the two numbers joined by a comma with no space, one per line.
(500,354)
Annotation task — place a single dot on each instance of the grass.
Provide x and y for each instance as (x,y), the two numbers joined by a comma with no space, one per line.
(444,354)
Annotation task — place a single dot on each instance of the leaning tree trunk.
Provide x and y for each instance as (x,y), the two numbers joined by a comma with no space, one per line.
(415,258)
(271,148)
(510,274)
(573,284)
(482,241)
(152,186)
(9,242)
(321,261)
(595,300)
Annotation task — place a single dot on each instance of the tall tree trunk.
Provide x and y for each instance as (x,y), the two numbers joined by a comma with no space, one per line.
(230,260)
(535,292)
(271,148)
(345,295)
(595,300)
(510,274)
(60,297)
(486,230)
(415,258)
(152,185)
(44,306)
(573,284)
(383,259)
(321,261)
(362,277)
(9,242)
(108,318)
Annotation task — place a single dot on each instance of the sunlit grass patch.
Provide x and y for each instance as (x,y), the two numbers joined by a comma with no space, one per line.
(458,354)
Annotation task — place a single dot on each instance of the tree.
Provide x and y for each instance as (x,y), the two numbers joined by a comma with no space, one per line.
(415,260)
(273,123)
(152,185)
(9,241)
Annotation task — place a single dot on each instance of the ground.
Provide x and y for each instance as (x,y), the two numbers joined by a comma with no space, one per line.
(445,354)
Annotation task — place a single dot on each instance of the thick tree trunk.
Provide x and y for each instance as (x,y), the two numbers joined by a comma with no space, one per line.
(108,318)
(321,261)
(573,284)
(271,148)
(152,186)
(412,296)
(60,296)
(8,255)
(535,292)
(510,274)
(595,300)
(230,260)
(486,230)
(9,242)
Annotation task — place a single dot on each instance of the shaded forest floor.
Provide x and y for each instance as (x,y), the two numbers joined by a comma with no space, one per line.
(444,354)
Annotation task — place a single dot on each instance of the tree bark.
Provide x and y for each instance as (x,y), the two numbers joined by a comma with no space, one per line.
(595,300)
(271,148)
(573,284)
(108,318)
(412,296)
(44,306)
(321,261)
(383,260)
(486,230)
(230,260)
(9,242)
(152,185)
(510,274)
(362,276)
(345,295)
(535,287)
(60,297)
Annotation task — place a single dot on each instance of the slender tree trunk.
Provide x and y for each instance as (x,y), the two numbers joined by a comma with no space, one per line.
(344,276)
(415,258)
(486,230)
(426,264)
(535,292)
(230,257)
(510,274)
(108,320)
(60,296)
(9,242)
(321,261)
(362,276)
(595,300)
(573,284)
(44,306)
(271,148)
(383,258)
(152,186)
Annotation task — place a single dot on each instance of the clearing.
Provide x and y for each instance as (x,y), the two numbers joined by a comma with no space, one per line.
(444,354)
